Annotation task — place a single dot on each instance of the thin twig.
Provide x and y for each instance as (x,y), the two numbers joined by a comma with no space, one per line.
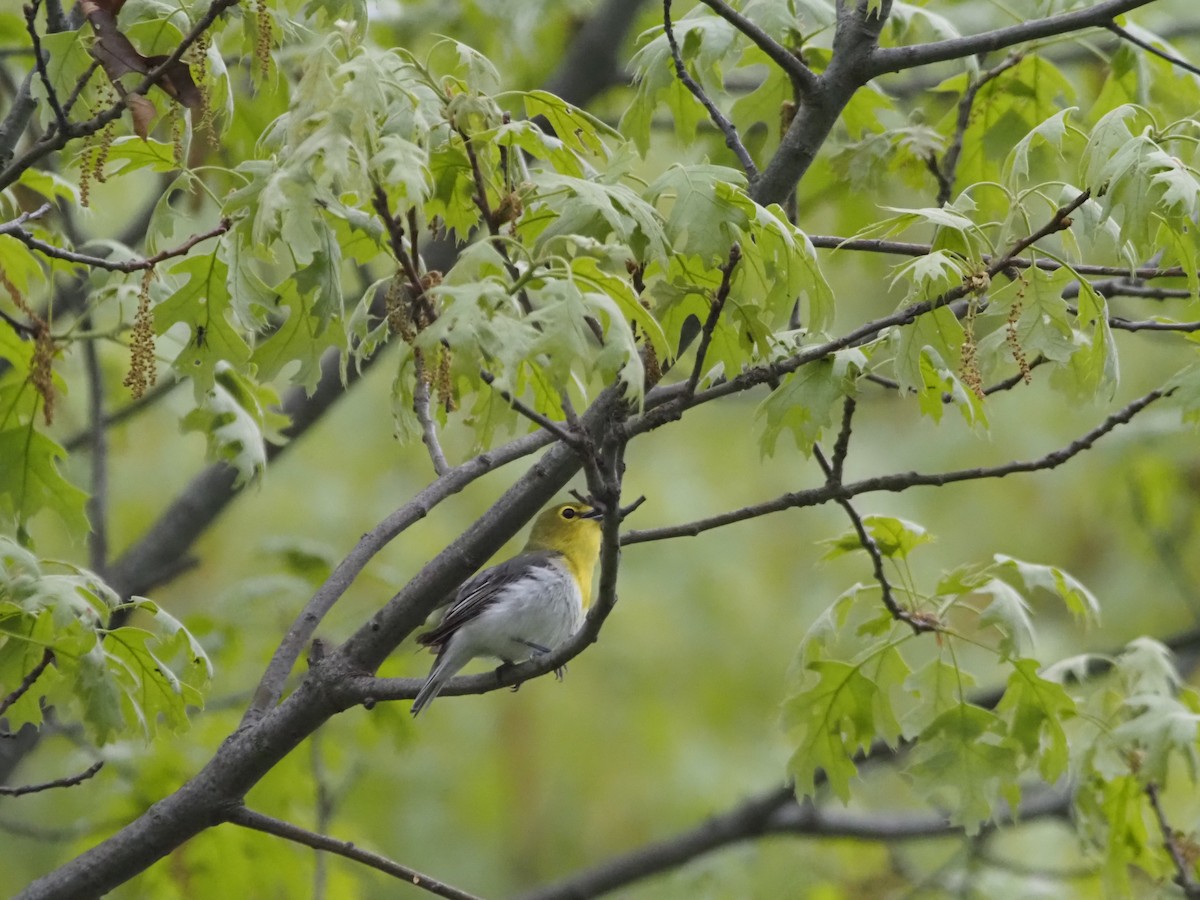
(1183,869)
(776,811)
(69,781)
(80,84)
(714,314)
(800,74)
(908,248)
(896,59)
(841,447)
(39,59)
(17,325)
(492,218)
(916,621)
(396,238)
(27,682)
(1150,48)
(947,171)
(1004,384)
(422,401)
(1059,221)
(57,21)
(898,482)
(16,120)
(548,424)
(97,504)
(747,820)
(27,216)
(1148,324)
(726,127)
(480,197)
(97,262)
(324,804)
(248,818)
(1123,288)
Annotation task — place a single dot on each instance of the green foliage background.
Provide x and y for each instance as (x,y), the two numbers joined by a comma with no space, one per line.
(682,708)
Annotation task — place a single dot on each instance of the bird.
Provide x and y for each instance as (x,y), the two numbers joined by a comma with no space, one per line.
(522,607)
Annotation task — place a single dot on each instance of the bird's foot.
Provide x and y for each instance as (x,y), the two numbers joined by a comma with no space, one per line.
(502,671)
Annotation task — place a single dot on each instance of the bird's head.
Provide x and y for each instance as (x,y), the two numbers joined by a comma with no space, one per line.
(572,529)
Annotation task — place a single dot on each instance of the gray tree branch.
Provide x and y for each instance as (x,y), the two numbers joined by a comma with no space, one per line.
(248,818)
(895,59)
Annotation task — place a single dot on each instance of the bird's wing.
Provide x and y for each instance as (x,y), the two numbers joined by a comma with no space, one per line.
(481,591)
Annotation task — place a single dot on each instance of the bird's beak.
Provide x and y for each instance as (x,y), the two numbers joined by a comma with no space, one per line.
(597,513)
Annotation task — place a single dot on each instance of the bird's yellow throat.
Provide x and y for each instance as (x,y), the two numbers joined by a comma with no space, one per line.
(564,529)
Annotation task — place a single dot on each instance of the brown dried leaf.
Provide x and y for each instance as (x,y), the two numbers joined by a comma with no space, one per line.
(117,55)
(177,81)
(112,49)
(143,114)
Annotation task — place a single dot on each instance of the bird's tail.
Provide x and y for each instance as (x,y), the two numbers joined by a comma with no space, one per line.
(444,668)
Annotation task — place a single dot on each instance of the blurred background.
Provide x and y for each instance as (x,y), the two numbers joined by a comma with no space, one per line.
(674,715)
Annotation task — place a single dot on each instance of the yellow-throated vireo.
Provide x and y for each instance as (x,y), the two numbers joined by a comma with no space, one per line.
(523,607)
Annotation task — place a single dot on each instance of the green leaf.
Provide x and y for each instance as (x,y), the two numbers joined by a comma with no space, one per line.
(829,630)
(471,68)
(708,208)
(932,274)
(49,184)
(30,480)
(301,339)
(1162,731)
(452,199)
(525,136)
(67,60)
(936,687)
(98,694)
(1031,577)
(802,404)
(129,154)
(1009,612)
(894,538)
(1147,666)
(202,304)
(150,693)
(176,640)
(1102,157)
(938,332)
(1035,710)
(1115,815)
(587,270)
(20,265)
(779,268)
(1184,393)
(577,129)
(237,419)
(1044,326)
(706,43)
(840,711)
(591,207)
(111,679)
(1093,369)
(964,763)
(1049,132)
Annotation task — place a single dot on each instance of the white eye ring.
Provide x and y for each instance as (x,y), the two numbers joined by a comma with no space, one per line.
(568,512)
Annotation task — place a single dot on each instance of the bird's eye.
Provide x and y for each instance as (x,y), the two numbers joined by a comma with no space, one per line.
(568,512)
